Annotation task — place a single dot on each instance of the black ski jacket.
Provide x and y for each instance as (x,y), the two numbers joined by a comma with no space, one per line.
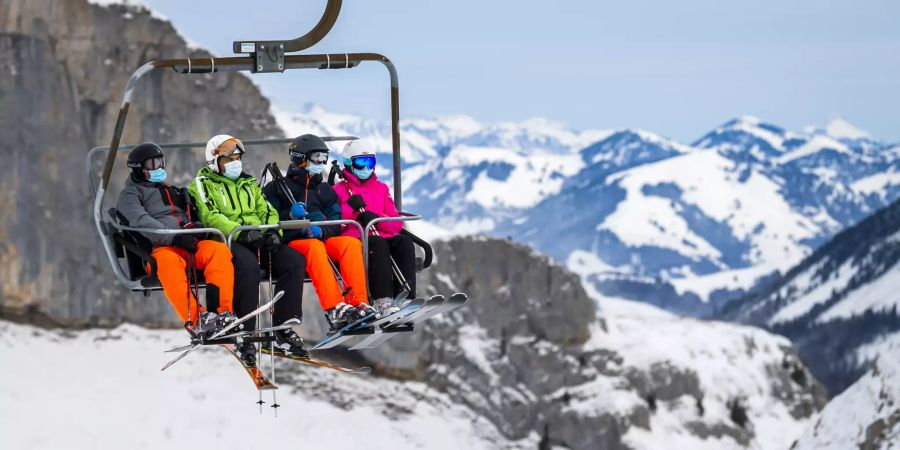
(321,201)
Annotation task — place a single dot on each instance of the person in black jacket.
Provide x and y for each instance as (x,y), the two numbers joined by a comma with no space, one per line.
(316,200)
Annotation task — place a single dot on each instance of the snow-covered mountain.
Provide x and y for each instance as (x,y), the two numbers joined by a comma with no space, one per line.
(681,226)
(838,305)
(726,387)
(866,415)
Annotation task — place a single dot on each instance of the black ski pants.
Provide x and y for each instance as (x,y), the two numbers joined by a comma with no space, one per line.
(288,272)
(382,282)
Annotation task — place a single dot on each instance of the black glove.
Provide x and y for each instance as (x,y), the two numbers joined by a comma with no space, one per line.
(356,202)
(252,239)
(272,241)
(186,242)
(365,217)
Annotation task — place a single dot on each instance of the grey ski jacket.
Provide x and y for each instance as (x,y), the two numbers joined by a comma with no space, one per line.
(154,205)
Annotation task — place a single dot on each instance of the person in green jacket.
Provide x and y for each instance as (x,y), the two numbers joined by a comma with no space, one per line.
(227,198)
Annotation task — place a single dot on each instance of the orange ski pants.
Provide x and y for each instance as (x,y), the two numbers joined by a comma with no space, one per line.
(347,251)
(213,258)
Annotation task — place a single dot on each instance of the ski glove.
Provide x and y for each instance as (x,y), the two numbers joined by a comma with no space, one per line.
(186,242)
(252,239)
(314,231)
(365,217)
(356,202)
(298,211)
(272,241)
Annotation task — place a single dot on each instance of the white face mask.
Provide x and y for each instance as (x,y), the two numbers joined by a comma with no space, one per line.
(233,169)
(315,168)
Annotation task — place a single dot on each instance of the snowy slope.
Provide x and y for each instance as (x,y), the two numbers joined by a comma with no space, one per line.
(711,220)
(464,175)
(866,415)
(691,227)
(727,360)
(103,390)
(841,299)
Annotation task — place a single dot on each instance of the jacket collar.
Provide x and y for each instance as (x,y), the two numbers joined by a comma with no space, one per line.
(302,174)
(132,180)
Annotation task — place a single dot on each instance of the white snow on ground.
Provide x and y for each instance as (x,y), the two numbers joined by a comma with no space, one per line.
(883,345)
(753,208)
(531,177)
(815,145)
(840,128)
(877,183)
(878,295)
(812,293)
(750,125)
(704,285)
(103,390)
(729,360)
(846,422)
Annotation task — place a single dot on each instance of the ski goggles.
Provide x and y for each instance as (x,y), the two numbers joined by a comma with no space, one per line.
(230,147)
(318,157)
(158,162)
(363,162)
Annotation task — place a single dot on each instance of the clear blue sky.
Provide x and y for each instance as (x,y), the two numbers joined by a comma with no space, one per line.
(678,68)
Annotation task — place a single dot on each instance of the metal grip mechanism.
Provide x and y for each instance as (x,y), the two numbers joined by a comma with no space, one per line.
(269,55)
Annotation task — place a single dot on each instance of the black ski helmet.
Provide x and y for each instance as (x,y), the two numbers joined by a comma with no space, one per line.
(141,153)
(301,146)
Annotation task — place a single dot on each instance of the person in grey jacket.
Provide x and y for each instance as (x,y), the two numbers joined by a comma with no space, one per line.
(147,202)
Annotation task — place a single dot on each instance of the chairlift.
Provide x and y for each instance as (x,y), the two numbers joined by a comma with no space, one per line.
(128,256)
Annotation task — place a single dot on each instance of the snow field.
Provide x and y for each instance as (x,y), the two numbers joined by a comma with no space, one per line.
(103,389)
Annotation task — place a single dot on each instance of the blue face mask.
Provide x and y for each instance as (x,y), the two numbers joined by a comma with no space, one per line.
(315,168)
(363,174)
(157,175)
(233,169)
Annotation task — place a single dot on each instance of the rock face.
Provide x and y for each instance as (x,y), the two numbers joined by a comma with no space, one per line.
(530,353)
(63,68)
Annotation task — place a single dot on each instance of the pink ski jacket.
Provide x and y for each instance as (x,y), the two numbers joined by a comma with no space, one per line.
(378,200)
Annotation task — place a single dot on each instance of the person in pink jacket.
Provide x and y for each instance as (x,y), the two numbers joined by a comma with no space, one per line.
(363,198)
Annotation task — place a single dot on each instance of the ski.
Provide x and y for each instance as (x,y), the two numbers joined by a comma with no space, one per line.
(230,327)
(406,323)
(417,306)
(336,337)
(316,362)
(232,336)
(259,378)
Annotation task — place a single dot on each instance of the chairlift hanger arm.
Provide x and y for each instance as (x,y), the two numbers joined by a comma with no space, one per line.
(326,22)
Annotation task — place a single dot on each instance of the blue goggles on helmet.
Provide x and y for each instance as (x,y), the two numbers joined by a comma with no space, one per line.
(363,162)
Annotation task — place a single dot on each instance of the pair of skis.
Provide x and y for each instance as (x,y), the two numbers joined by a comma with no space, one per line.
(225,330)
(378,331)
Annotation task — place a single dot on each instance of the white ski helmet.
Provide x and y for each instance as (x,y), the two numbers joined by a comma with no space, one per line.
(212,159)
(357,147)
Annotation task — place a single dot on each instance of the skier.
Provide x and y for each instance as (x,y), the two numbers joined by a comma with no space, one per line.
(147,202)
(316,200)
(364,198)
(228,198)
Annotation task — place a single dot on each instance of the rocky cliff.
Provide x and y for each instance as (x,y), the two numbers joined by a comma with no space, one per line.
(530,353)
(63,68)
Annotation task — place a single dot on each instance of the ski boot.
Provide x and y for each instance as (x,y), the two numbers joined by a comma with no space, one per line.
(246,351)
(289,342)
(211,323)
(385,306)
(344,314)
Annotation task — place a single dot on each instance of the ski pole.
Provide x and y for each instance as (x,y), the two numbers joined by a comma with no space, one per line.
(278,179)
